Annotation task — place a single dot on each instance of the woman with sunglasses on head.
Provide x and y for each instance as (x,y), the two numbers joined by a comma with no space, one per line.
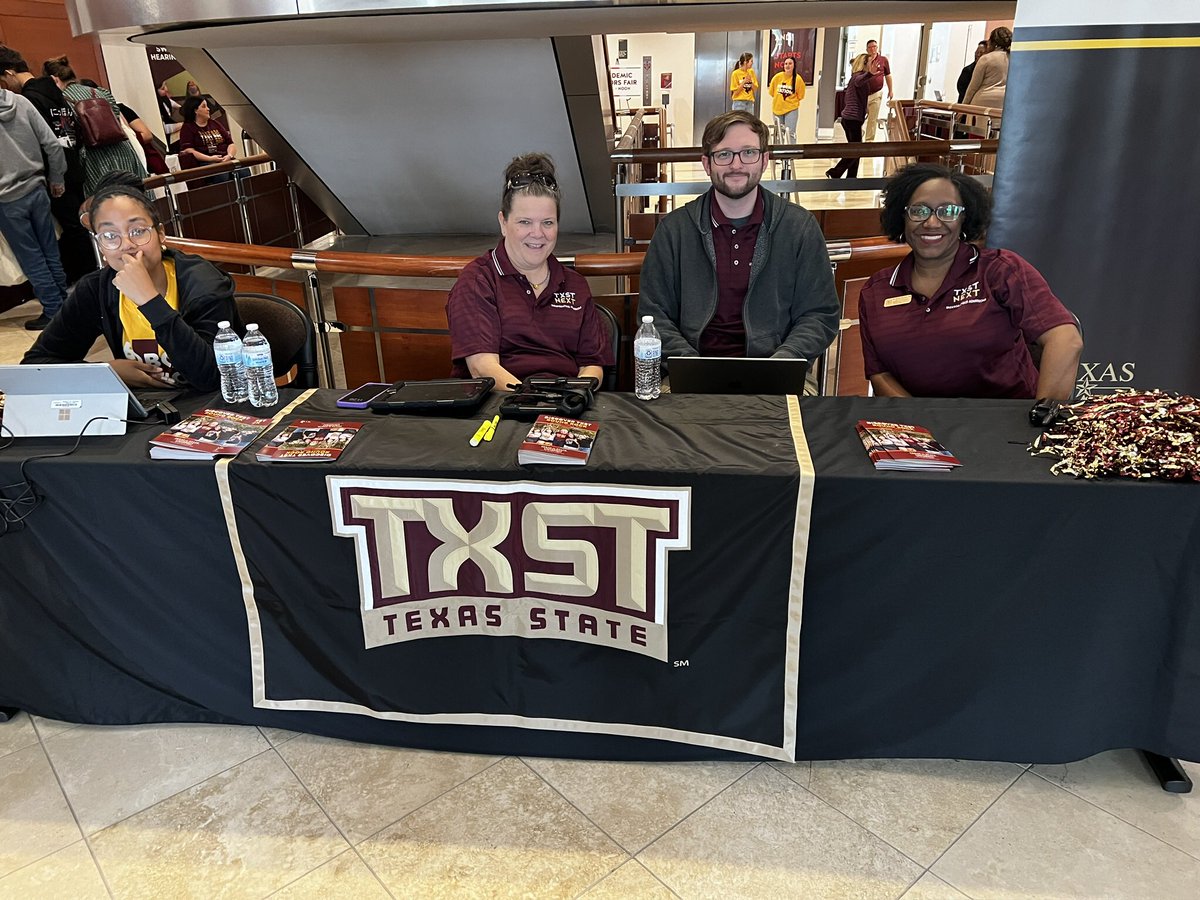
(157,308)
(517,311)
(955,319)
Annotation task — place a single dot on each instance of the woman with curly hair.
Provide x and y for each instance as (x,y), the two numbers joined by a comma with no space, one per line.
(955,319)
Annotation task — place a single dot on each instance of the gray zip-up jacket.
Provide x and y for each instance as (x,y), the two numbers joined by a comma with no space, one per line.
(24,134)
(791,307)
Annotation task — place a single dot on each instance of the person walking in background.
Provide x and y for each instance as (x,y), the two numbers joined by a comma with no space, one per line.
(964,77)
(97,161)
(787,90)
(743,84)
(854,112)
(75,249)
(880,71)
(25,219)
(991,72)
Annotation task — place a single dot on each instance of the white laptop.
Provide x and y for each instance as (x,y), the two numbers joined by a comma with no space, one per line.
(59,400)
(736,375)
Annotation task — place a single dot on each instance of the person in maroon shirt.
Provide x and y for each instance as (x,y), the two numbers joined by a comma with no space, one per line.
(953,319)
(517,311)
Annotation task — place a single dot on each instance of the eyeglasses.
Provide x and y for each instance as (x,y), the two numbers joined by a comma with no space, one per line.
(528,178)
(947,212)
(112,240)
(749,156)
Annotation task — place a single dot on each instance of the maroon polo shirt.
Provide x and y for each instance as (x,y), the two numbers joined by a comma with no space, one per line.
(877,70)
(492,309)
(968,340)
(733,243)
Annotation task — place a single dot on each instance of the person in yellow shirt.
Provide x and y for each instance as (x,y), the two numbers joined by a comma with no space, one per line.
(743,84)
(788,91)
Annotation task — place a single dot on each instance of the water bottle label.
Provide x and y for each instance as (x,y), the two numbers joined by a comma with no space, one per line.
(228,354)
(257,356)
(650,350)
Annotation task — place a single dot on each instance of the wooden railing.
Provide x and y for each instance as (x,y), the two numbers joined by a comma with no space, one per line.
(392,333)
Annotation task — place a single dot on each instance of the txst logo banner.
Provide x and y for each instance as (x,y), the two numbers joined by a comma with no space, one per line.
(445,558)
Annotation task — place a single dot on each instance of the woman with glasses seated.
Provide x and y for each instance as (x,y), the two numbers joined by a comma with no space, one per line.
(517,311)
(955,319)
(158,309)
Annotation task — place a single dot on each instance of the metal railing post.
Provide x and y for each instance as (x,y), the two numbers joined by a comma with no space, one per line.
(306,261)
(297,231)
(243,204)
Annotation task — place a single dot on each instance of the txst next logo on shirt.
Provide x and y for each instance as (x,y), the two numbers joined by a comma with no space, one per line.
(564,300)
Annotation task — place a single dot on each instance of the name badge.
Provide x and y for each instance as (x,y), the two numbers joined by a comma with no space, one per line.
(898,301)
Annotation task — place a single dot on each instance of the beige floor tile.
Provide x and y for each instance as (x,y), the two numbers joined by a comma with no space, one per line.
(1120,782)
(243,833)
(16,733)
(768,837)
(919,806)
(799,772)
(636,802)
(364,787)
(71,872)
(503,833)
(1041,841)
(631,880)
(47,728)
(34,817)
(143,764)
(930,887)
(344,876)
(277,736)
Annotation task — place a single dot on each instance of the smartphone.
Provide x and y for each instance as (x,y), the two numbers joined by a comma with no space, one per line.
(361,396)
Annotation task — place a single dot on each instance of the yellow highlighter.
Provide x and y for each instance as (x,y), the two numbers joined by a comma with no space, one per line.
(480,432)
(491,432)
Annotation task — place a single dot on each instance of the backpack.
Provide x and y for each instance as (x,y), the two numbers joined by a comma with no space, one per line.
(96,122)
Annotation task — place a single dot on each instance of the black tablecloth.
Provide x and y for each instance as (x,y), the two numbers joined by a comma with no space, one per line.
(992,612)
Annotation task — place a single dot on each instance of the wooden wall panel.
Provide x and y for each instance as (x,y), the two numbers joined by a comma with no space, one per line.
(358,358)
(411,308)
(288,290)
(39,30)
(414,357)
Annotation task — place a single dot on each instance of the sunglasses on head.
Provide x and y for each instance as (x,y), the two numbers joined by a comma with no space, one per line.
(528,178)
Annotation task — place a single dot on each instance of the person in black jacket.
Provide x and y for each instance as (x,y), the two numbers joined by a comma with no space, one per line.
(964,77)
(75,244)
(157,308)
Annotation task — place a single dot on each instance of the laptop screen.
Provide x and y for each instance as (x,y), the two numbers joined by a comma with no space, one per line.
(733,375)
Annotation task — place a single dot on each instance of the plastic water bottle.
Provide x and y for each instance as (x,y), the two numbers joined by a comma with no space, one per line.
(260,371)
(647,361)
(227,347)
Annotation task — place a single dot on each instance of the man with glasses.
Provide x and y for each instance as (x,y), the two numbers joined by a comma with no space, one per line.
(739,271)
(25,218)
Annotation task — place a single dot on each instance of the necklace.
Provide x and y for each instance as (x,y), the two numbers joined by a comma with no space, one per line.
(538,285)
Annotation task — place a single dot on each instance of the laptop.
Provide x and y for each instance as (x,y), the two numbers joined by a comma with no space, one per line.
(59,400)
(736,375)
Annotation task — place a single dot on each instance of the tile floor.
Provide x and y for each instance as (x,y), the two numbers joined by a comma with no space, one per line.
(224,811)
(214,811)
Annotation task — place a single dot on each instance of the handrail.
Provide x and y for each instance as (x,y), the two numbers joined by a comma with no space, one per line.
(818,151)
(629,138)
(961,108)
(401,266)
(185,175)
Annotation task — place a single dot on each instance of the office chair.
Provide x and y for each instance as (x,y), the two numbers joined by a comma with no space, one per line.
(609,318)
(290,332)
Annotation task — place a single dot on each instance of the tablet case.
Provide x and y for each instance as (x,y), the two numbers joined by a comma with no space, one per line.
(437,395)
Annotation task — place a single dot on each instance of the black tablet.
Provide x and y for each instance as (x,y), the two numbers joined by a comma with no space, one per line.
(447,394)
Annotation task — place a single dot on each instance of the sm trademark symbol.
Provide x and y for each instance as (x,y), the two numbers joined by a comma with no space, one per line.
(679,663)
